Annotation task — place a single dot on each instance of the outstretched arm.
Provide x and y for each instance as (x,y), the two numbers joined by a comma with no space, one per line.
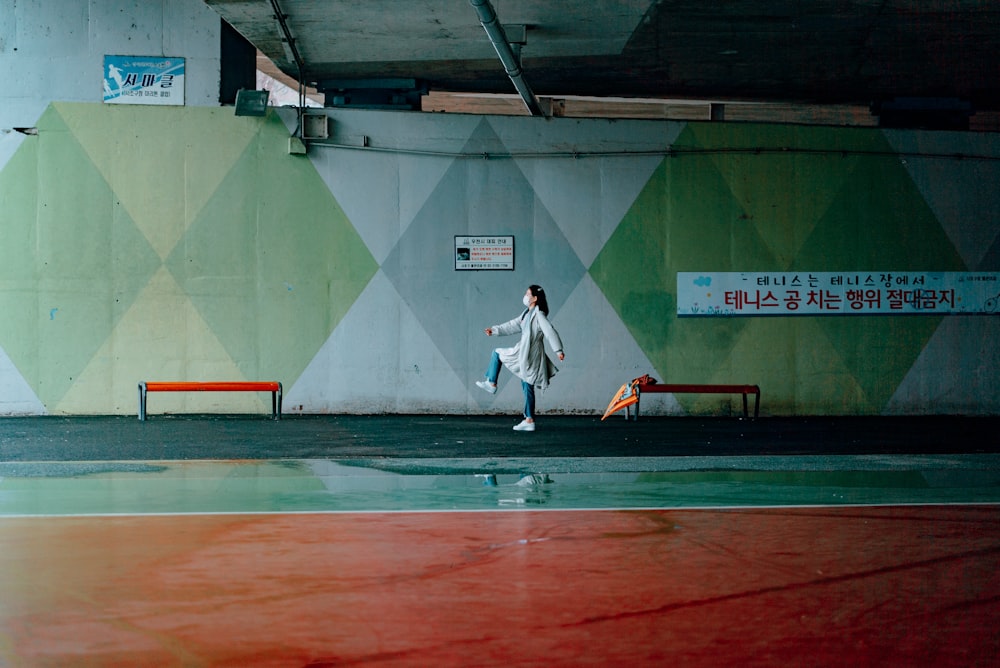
(512,326)
(551,335)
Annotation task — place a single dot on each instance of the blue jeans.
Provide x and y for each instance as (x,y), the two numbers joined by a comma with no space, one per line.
(529,390)
(529,400)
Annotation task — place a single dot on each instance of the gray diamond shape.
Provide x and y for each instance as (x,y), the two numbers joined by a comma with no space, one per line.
(478,196)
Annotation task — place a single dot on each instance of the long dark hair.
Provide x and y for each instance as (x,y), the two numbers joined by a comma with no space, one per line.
(538,293)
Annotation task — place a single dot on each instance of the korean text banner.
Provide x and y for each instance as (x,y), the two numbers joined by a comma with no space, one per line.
(143,80)
(837,293)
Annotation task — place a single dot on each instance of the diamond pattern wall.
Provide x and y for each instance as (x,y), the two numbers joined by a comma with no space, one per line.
(121,194)
(144,243)
(89,260)
(724,205)
(477,198)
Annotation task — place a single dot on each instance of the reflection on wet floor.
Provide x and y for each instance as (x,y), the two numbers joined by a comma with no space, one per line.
(319,485)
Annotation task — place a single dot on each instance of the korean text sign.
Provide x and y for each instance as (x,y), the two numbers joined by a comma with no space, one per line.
(143,80)
(487,251)
(837,293)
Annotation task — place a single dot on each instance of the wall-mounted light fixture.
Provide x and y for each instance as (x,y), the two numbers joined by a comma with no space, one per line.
(251,102)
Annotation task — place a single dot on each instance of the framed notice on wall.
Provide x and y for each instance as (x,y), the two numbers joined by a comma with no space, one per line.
(143,80)
(484,252)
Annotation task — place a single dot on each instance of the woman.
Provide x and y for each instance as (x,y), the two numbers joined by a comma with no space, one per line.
(526,360)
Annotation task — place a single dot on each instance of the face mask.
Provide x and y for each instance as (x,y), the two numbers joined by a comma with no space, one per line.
(524,300)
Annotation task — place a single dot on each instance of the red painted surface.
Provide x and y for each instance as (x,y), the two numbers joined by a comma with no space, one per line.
(833,586)
(223,386)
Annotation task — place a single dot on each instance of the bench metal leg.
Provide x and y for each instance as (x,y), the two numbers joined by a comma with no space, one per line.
(628,409)
(276,400)
(142,401)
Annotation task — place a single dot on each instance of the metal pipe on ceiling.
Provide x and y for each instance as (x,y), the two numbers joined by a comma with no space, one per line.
(290,48)
(286,34)
(511,63)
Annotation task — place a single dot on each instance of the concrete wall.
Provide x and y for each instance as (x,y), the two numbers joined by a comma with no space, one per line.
(161,243)
(607,220)
(55,50)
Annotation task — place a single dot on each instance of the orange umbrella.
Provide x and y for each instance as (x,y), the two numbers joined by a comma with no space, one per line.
(624,397)
(628,394)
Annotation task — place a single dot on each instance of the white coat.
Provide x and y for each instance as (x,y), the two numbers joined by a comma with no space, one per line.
(527,360)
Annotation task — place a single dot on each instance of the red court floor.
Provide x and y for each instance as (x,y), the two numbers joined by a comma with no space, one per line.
(904,585)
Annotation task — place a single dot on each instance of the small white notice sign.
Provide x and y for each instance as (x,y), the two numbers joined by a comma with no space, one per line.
(485,251)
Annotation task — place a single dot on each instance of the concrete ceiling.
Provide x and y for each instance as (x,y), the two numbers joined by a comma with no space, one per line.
(815,52)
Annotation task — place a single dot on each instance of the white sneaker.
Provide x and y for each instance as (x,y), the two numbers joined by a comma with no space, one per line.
(524,425)
(534,479)
(492,389)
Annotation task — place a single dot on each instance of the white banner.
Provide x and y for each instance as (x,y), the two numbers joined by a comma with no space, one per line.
(837,293)
(143,80)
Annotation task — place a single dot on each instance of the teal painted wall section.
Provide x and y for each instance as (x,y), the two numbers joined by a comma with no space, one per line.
(187,244)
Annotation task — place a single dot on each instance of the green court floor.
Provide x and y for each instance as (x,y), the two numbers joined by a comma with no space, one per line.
(468,484)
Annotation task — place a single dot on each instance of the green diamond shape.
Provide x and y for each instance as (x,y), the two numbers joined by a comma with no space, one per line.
(885,228)
(163,163)
(272,292)
(685,219)
(726,207)
(878,221)
(783,193)
(86,267)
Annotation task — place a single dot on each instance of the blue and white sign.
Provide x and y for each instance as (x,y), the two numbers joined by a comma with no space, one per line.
(143,80)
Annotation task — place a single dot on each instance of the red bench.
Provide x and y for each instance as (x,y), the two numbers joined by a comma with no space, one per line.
(701,389)
(273,387)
